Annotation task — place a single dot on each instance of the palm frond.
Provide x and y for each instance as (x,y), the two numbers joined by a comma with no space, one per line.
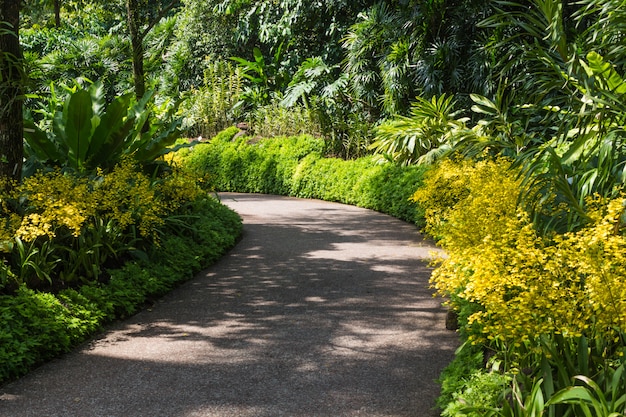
(423,135)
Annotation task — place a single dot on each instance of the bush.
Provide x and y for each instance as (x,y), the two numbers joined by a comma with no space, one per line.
(469,360)
(527,285)
(481,392)
(295,166)
(184,230)
(550,305)
(60,229)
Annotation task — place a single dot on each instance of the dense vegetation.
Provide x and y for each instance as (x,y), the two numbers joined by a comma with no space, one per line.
(78,252)
(515,111)
(296,166)
(97,223)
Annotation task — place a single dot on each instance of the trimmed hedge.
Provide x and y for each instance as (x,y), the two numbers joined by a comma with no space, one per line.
(37,326)
(296,166)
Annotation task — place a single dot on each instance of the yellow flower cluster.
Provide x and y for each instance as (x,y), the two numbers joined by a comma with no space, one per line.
(525,284)
(54,200)
(598,254)
(177,189)
(128,197)
(9,223)
(444,187)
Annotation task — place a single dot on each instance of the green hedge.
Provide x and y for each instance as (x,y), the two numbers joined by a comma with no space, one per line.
(296,166)
(36,326)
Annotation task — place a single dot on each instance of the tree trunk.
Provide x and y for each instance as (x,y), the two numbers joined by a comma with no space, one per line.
(11,72)
(57,13)
(138,34)
(136,41)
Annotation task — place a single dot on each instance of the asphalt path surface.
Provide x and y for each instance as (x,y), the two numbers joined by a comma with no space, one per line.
(322,309)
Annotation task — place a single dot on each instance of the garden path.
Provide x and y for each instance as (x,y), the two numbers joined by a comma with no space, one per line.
(321,310)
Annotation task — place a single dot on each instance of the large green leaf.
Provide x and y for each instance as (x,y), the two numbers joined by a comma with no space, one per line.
(98,97)
(38,142)
(78,127)
(258,57)
(86,135)
(111,131)
(155,145)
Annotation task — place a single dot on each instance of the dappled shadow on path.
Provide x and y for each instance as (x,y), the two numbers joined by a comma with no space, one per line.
(321,310)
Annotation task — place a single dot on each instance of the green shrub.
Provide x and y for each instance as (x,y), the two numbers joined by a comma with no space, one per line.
(37,326)
(295,166)
(34,327)
(482,391)
(469,359)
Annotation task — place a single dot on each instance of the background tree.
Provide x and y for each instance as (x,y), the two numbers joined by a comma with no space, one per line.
(11,71)
(142,16)
(57,12)
(45,12)
(398,50)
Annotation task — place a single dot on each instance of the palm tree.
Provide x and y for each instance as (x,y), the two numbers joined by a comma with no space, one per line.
(426,135)
(395,52)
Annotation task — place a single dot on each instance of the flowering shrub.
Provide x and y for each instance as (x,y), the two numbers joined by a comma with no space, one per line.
(52,201)
(128,197)
(36,326)
(552,305)
(523,285)
(56,228)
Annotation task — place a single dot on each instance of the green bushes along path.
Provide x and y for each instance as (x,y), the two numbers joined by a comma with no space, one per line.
(295,166)
(39,324)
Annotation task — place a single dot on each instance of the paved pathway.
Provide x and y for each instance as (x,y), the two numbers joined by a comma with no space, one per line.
(321,310)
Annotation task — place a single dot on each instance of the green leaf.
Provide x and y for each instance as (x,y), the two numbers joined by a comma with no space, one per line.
(258,56)
(78,127)
(571,395)
(483,105)
(98,97)
(606,72)
(112,130)
(43,147)
(154,146)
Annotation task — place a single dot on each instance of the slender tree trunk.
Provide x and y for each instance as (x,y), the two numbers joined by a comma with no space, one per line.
(136,40)
(11,70)
(57,13)
(138,34)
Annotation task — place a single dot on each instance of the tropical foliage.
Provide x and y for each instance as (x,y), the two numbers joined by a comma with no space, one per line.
(84,132)
(535,241)
(423,136)
(550,306)
(212,106)
(516,109)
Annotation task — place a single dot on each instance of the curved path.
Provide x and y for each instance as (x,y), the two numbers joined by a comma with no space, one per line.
(321,310)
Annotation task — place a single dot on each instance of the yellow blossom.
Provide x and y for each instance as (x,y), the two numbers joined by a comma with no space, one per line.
(523,284)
